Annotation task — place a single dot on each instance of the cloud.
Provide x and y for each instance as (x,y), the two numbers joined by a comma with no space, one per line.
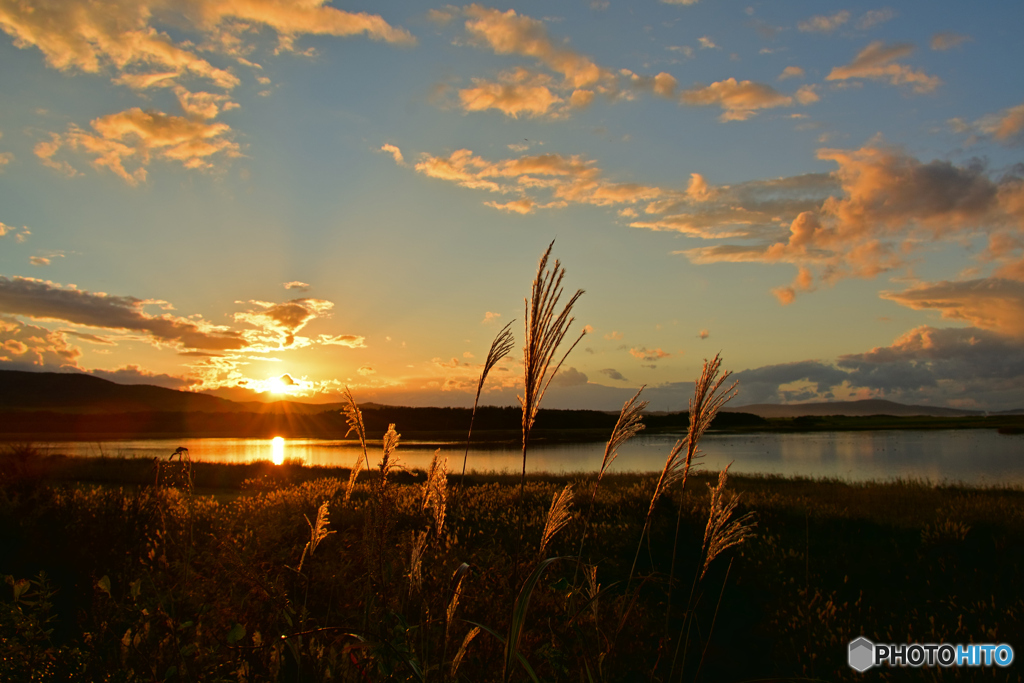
(297,285)
(529,92)
(823,24)
(510,33)
(739,100)
(791,72)
(992,304)
(1005,126)
(366,370)
(570,377)
(137,136)
(352,341)
(613,335)
(134,374)
(567,179)
(517,92)
(887,205)
(203,105)
(874,18)
(878,62)
(76,34)
(19,234)
(394,152)
(39,260)
(614,374)
(41,300)
(490,316)
(943,366)
(92,338)
(280,323)
(32,347)
(5,157)
(643,353)
(124,36)
(948,40)
(706,43)
(704,334)
(765,384)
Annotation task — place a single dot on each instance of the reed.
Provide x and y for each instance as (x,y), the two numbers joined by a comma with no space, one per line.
(626,427)
(558,516)
(708,398)
(354,418)
(544,334)
(500,347)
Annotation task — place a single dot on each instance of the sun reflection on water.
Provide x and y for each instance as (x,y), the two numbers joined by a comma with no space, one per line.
(277,450)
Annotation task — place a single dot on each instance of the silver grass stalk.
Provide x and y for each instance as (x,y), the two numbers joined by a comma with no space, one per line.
(419,546)
(354,418)
(558,516)
(626,427)
(453,604)
(435,491)
(722,532)
(388,463)
(544,334)
(708,398)
(463,648)
(317,532)
(593,587)
(501,346)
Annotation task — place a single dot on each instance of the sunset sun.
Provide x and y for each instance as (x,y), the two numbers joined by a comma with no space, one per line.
(281,385)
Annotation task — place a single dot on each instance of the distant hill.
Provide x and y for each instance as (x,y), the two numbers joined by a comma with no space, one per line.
(872,406)
(77,392)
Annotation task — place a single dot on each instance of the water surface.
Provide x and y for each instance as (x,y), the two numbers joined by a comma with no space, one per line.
(972,456)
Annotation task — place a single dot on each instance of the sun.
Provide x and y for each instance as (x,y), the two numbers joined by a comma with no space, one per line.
(281,385)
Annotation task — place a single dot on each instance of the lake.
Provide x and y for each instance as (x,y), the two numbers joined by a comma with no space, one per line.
(971,456)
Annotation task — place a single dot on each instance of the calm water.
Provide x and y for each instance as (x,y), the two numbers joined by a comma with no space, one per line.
(972,456)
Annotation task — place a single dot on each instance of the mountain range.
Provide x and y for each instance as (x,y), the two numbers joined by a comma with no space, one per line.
(84,394)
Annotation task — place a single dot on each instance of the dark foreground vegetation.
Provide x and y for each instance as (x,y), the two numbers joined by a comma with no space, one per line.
(119,571)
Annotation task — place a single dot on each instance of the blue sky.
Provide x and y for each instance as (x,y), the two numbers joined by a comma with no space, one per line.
(214,193)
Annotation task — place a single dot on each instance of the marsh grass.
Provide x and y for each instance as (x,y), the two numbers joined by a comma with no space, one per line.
(851,536)
(143,582)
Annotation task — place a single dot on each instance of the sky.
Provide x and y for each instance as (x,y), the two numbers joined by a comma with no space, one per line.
(281,198)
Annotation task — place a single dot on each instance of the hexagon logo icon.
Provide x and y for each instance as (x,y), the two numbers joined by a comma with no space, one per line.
(862,654)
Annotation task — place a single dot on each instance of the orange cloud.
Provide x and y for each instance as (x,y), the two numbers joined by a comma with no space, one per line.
(19,234)
(279,323)
(1005,126)
(739,100)
(823,24)
(395,152)
(791,72)
(948,40)
(510,33)
(83,35)
(877,62)
(517,92)
(42,300)
(567,179)
(643,353)
(35,346)
(138,136)
(991,304)
(883,206)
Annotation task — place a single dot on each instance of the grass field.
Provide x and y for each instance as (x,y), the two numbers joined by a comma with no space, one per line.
(266,573)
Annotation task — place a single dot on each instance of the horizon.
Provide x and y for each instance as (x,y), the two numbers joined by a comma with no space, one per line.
(274,205)
(727,407)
